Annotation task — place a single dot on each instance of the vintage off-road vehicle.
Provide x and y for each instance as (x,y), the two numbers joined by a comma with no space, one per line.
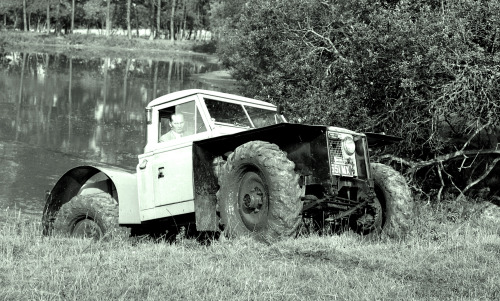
(239,168)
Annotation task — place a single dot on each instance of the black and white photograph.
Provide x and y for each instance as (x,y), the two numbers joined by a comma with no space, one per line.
(249,150)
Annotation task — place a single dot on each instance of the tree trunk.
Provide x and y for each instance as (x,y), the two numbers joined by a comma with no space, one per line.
(136,21)
(48,17)
(129,28)
(72,16)
(199,21)
(58,20)
(108,19)
(16,20)
(185,20)
(24,16)
(152,20)
(172,28)
(158,15)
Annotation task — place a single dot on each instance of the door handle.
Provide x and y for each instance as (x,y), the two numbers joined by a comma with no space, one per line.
(143,164)
(160,172)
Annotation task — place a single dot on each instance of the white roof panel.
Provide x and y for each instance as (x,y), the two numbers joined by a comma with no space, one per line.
(184,93)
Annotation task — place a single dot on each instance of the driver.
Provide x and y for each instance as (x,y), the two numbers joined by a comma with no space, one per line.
(176,128)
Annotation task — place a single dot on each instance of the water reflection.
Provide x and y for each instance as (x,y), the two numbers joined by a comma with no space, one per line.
(54,106)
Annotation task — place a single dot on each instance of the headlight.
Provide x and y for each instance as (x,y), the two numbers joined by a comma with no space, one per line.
(349,146)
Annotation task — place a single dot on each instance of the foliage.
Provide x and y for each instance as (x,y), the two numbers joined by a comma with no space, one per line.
(95,11)
(92,13)
(425,71)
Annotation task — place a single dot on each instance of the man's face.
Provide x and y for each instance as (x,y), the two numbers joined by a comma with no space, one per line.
(177,123)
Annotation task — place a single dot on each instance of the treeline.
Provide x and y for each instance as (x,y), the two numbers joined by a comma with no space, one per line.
(427,71)
(172,19)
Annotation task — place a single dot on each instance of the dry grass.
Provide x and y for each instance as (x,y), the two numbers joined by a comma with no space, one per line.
(441,259)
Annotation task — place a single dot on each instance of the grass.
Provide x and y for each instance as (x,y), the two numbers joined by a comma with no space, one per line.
(100,45)
(442,258)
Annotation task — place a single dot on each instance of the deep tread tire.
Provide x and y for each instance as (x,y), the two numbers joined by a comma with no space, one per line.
(264,165)
(96,215)
(396,200)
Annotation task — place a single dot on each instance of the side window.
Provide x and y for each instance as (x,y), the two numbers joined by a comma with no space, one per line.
(180,121)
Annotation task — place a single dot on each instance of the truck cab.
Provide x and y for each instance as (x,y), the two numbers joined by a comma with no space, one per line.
(165,170)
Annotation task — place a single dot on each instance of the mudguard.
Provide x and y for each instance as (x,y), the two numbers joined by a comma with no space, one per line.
(381,139)
(119,183)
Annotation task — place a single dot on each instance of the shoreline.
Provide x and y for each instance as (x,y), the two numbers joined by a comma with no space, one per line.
(91,46)
(102,45)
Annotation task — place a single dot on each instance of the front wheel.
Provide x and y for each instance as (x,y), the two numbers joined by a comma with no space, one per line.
(92,216)
(391,210)
(259,193)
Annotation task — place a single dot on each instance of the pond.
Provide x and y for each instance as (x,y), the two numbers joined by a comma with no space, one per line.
(59,111)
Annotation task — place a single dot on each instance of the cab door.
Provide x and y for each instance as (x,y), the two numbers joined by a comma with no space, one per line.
(170,168)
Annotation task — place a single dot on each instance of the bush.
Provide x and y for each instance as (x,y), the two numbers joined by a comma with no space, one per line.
(206,47)
(425,71)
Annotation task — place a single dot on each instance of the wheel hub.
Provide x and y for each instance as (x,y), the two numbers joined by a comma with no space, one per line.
(254,199)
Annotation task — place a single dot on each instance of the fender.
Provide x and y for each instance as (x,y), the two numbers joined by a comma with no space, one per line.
(209,154)
(119,183)
(381,139)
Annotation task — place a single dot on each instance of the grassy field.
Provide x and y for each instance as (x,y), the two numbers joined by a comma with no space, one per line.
(100,45)
(451,253)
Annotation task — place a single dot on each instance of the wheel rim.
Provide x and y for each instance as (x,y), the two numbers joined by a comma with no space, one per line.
(87,228)
(253,201)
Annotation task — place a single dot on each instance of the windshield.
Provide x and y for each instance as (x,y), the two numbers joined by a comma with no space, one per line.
(241,116)
(261,117)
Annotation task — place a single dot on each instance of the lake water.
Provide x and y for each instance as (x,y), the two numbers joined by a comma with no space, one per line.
(58,112)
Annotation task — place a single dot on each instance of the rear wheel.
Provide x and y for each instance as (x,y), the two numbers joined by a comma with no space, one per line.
(91,216)
(259,193)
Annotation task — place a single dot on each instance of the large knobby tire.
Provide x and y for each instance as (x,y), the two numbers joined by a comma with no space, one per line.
(395,200)
(92,216)
(259,193)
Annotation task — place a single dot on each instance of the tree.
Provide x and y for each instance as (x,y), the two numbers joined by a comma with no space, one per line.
(129,27)
(425,72)
(158,17)
(72,15)
(25,23)
(9,8)
(108,18)
(58,19)
(94,13)
(48,16)
(172,16)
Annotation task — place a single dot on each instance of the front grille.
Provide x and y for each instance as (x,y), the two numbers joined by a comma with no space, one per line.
(341,164)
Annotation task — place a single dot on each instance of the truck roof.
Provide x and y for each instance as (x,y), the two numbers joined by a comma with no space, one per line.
(184,93)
